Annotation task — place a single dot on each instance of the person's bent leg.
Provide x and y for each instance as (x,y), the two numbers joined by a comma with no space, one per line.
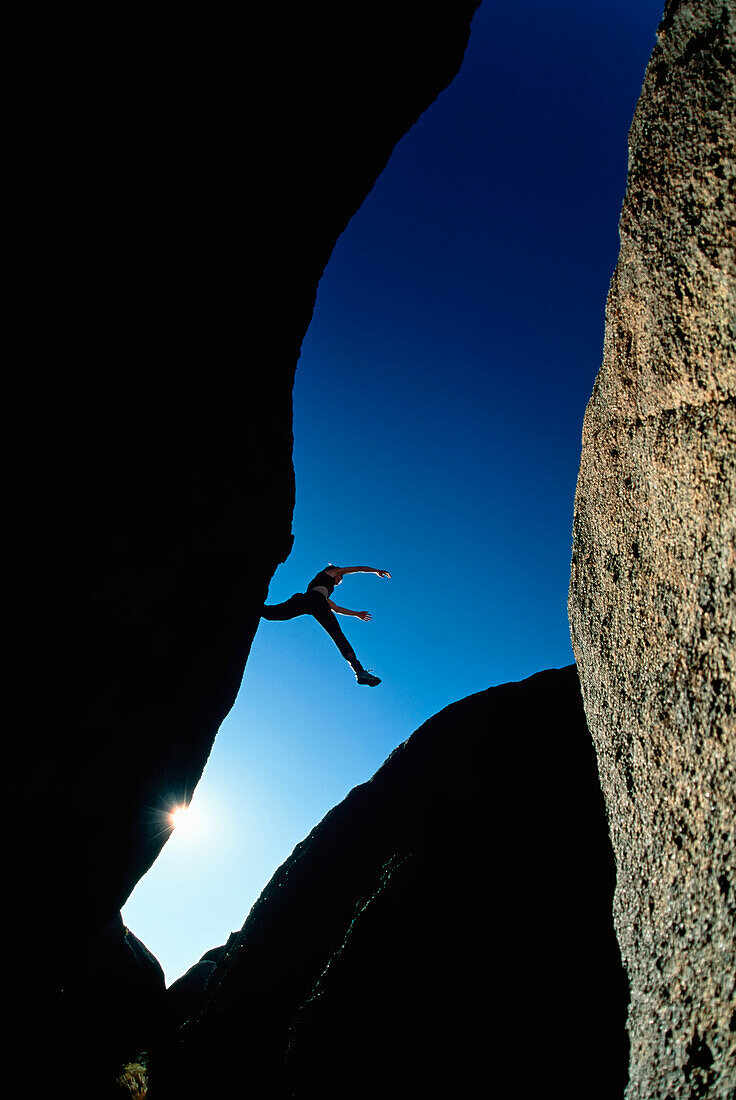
(297,604)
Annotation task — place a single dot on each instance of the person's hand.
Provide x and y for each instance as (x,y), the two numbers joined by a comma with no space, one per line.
(364,615)
(384,573)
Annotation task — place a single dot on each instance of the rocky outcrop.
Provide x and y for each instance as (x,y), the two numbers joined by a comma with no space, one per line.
(184,996)
(180,176)
(652,594)
(112,1004)
(445,931)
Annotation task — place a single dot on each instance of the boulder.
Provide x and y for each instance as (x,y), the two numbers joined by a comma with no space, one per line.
(445,931)
(109,1010)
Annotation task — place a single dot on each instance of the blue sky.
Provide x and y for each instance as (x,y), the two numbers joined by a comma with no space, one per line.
(438,408)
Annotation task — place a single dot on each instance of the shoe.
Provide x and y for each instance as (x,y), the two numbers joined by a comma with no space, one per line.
(366,677)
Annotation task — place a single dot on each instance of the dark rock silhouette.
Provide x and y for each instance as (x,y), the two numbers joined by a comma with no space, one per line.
(184,996)
(179,176)
(112,1003)
(446,928)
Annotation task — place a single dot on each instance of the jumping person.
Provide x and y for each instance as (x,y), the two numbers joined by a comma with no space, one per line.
(317,603)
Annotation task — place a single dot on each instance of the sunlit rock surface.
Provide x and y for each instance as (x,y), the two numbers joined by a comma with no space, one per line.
(446,931)
(180,174)
(652,595)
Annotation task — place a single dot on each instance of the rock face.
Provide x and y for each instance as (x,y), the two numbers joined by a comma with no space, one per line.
(446,931)
(652,594)
(180,176)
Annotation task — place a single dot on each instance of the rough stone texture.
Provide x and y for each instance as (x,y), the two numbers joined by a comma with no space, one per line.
(652,606)
(178,177)
(446,931)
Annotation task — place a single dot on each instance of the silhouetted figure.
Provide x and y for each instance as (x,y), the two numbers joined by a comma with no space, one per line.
(317,603)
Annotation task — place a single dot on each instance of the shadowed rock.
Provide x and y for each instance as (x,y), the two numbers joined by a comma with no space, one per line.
(180,175)
(446,929)
(652,604)
(112,1004)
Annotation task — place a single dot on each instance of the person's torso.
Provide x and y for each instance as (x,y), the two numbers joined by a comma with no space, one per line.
(323,582)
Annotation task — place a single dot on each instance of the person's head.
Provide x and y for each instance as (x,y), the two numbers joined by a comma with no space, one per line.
(335,573)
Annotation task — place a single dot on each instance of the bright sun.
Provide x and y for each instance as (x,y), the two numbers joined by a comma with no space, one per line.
(192,823)
(183,819)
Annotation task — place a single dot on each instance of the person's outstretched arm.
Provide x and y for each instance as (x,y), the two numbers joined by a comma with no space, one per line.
(364,615)
(361,569)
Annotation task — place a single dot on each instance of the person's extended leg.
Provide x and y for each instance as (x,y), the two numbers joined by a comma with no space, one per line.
(326,618)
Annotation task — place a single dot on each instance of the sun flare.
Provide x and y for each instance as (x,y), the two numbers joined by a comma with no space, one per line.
(184,820)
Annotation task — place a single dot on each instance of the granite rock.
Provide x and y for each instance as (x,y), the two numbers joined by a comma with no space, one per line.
(652,593)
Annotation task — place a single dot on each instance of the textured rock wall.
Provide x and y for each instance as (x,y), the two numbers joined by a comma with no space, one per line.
(652,593)
(446,931)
